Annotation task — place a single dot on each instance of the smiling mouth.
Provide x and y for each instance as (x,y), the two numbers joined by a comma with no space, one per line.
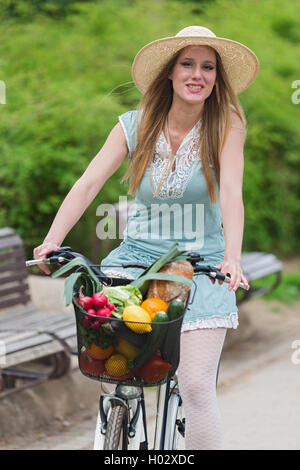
(195,87)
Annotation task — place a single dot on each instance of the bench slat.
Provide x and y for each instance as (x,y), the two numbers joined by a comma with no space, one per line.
(16,301)
(259,273)
(32,317)
(253,256)
(258,264)
(13,277)
(37,352)
(6,231)
(52,321)
(13,336)
(43,338)
(15,266)
(17,253)
(19,314)
(21,287)
(258,259)
(9,242)
(20,311)
(35,322)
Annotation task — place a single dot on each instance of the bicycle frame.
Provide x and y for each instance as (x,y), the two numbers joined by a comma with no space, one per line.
(161,431)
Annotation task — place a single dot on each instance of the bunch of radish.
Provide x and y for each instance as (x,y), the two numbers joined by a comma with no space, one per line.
(98,306)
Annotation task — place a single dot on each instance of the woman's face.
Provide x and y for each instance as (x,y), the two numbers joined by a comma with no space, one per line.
(194,74)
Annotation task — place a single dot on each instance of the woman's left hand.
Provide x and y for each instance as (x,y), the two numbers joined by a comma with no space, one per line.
(233,270)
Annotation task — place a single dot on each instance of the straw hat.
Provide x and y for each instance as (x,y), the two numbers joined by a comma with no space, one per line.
(240,63)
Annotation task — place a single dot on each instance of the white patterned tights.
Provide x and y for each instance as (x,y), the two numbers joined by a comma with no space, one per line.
(200,351)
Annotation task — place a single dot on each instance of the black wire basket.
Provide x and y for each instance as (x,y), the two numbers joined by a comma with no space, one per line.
(127,352)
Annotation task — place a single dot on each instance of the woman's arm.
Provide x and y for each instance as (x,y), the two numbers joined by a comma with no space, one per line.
(84,191)
(231,200)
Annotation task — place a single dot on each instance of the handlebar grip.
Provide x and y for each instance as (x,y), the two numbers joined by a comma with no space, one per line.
(49,260)
(222,277)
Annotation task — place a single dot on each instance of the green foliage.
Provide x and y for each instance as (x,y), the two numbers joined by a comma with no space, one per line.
(288,291)
(67,70)
(25,10)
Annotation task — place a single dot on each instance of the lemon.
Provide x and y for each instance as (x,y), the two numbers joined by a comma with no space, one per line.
(116,365)
(127,349)
(135,313)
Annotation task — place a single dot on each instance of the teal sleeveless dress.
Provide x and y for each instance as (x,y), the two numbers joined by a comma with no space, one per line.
(180,212)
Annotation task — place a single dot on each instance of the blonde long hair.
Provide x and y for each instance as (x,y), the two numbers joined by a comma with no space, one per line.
(152,114)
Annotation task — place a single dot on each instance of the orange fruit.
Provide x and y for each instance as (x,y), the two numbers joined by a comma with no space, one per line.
(154,305)
(97,352)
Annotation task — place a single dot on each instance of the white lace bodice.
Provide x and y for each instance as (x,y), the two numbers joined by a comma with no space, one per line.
(186,157)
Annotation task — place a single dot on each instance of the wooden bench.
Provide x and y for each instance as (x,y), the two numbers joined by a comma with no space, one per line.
(29,339)
(257,265)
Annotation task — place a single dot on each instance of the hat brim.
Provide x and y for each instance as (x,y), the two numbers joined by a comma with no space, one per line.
(239,62)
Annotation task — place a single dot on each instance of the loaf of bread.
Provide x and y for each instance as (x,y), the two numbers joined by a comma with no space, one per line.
(170,290)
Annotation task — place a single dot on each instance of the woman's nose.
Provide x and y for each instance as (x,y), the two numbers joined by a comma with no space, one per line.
(197,73)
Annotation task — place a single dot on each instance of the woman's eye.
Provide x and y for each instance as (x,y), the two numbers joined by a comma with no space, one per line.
(188,64)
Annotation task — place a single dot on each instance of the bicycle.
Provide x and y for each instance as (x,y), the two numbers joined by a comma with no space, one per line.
(121,421)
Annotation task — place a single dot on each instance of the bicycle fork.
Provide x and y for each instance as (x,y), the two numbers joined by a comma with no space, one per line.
(132,399)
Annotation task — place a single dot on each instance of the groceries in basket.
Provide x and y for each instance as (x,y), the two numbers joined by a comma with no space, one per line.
(131,333)
(130,348)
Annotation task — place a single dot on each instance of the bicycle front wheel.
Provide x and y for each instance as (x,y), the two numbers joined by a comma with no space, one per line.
(116,437)
(175,426)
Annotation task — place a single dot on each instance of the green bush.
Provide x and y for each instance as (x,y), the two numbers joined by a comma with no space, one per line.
(288,291)
(63,74)
(25,10)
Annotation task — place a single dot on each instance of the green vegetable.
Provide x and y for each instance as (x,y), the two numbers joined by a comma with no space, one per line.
(153,343)
(170,349)
(88,279)
(175,309)
(87,337)
(121,296)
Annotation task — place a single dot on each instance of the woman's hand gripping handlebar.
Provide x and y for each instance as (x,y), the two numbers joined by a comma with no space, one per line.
(211,271)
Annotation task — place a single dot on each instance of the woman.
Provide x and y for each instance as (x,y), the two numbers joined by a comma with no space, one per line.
(185,144)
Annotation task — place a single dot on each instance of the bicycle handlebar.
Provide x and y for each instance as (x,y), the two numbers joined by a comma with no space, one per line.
(63,255)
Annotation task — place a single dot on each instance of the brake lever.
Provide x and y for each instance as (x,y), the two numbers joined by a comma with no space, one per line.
(217,274)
